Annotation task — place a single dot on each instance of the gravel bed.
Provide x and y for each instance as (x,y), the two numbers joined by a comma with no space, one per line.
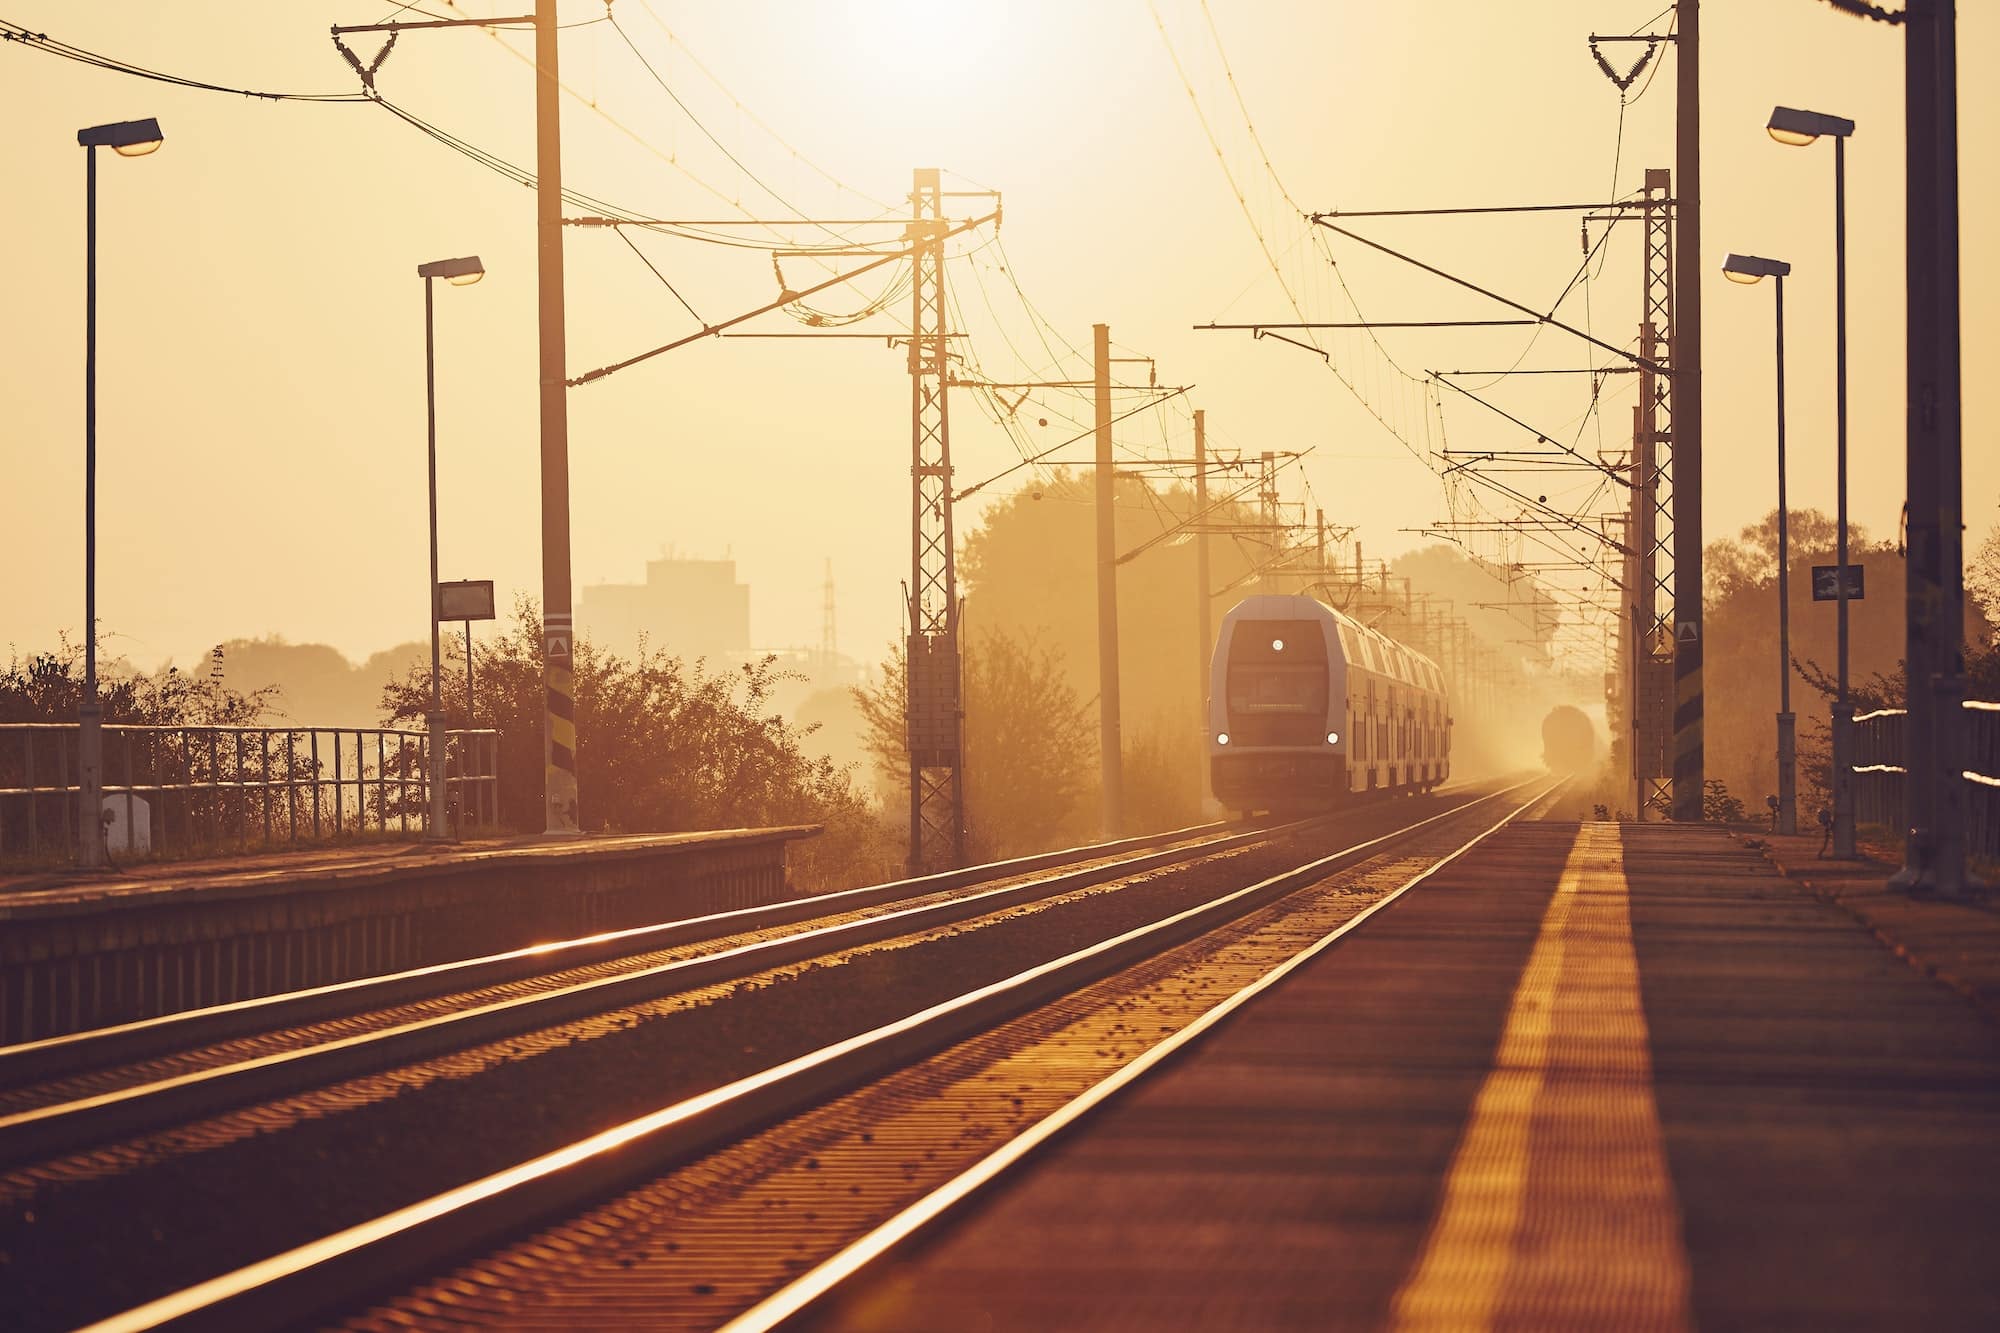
(71,1254)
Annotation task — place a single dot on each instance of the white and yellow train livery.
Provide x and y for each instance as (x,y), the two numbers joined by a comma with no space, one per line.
(1308,707)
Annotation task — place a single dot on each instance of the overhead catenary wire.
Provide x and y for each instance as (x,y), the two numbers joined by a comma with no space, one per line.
(812,317)
(1462,489)
(663,279)
(42,42)
(754,118)
(1257,229)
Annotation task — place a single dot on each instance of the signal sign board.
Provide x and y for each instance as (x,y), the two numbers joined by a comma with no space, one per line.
(1825,589)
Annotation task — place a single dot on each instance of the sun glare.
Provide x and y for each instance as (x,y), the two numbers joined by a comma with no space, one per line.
(926,40)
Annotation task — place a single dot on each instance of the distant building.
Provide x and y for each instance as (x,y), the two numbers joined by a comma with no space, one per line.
(689,608)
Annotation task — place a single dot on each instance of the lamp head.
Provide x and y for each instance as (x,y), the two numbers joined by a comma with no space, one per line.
(127,138)
(1752,269)
(1789,125)
(459,272)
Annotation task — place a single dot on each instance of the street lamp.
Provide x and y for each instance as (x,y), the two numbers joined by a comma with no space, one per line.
(127,138)
(1750,270)
(459,273)
(1796,128)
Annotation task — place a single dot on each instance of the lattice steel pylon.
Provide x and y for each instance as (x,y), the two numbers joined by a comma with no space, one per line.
(1651,584)
(931,654)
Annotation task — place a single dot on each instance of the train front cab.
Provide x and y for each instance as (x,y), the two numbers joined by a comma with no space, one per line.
(1277,694)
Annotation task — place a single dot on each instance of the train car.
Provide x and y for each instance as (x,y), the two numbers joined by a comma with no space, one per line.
(1308,707)
(1569,740)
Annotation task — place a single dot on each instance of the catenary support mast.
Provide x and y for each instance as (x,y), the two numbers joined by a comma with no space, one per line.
(1684,349)
(1204,609)
(1934,572)
(931,653)
(558,633)
(1111,745)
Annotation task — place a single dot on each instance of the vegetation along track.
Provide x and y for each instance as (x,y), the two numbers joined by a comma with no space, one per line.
(829,1123)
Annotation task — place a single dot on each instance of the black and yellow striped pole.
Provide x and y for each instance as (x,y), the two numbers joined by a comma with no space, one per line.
(559,807)
(1685,355)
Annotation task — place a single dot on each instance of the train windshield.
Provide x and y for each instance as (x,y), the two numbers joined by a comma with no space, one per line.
(1277,666)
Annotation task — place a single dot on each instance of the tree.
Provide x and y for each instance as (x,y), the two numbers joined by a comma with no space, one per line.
(1982,576)
(1730,567)
(1029,751)
(48,687)
(1740,603)
(1030,568)
(662,746)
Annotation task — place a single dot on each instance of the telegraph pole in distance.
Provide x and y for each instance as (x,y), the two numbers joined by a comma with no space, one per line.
(1204,626)
(1685,357)
(1934,572)
(1108,738)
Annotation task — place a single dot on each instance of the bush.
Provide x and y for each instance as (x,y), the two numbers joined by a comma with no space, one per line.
(1719,807)
(1029,751)
(662,746)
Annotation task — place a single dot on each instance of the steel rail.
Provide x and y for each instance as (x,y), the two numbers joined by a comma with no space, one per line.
(44,1131)
(831,1274)
(294,1286)
(152,1038)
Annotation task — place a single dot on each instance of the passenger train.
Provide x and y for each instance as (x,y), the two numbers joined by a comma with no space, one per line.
(1308,707)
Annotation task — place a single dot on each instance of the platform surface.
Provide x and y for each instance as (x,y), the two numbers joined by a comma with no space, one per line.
(307,869)
(1591,1076)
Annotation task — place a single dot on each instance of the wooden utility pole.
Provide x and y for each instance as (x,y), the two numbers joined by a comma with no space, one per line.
(1109,741)
(1684,352)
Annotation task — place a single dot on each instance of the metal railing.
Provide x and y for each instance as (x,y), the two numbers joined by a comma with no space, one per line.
(201,789)
(1879,772)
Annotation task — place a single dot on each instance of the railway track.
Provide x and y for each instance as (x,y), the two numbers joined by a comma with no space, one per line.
(63,1093)
(768,1187)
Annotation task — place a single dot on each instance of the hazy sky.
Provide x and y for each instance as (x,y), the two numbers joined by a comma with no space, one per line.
(261,379)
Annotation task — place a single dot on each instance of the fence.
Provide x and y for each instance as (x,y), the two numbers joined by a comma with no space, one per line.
(1879,773)
(202,789)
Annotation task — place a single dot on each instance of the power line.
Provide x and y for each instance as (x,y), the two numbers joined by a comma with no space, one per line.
(663,279)
(756,119)
(1263,240)
(697,122)
(39,41)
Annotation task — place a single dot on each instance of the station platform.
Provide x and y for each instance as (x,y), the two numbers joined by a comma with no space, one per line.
(81,950)
(1589,1076)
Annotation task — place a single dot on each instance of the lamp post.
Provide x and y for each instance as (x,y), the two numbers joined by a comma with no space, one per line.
(1796,128)
(127,138)
(460,273)
(1749,270)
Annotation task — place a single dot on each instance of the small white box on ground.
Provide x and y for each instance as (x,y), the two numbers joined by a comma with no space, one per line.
(128,824)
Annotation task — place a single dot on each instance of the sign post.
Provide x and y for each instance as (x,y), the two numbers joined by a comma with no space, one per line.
(466,600)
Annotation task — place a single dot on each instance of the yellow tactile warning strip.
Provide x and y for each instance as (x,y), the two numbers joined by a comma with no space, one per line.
(1558,1209)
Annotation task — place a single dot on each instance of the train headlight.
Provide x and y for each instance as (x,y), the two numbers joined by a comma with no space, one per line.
(1277,645)
(1222,738)
(1333,738)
